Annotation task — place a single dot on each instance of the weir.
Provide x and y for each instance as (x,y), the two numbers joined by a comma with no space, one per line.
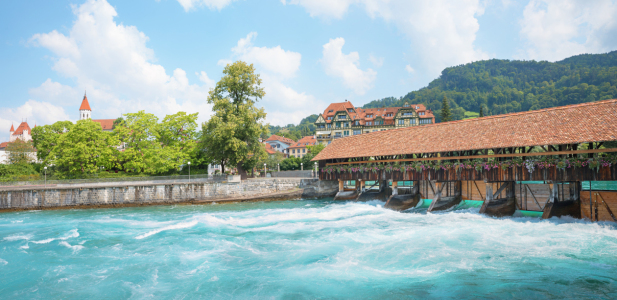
(529,162)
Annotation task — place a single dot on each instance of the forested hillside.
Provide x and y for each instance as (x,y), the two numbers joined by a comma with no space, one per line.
(295,132)
(503,86)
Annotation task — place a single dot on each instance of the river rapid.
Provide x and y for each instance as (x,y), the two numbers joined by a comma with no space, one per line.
(302,249)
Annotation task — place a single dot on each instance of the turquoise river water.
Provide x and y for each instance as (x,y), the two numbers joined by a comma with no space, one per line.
(304,249)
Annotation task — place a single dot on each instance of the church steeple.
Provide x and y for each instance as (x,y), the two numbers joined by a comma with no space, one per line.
(84,109)
(12,128)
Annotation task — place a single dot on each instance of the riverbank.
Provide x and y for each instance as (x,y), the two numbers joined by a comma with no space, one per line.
(136,194)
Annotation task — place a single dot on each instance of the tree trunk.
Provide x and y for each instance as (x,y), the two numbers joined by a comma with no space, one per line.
(241,171)
(222,167)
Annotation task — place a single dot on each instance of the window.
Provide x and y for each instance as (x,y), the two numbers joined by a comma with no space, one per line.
(346,132)
(329,126)
(369,116)
(369,123)
(425,121)
(346,124)
(329,118)
(304,150)
(412,121)
(421,113)
(342,117)
(330,110)
(293,151)
(401,122)
(378,122)
(407,114)
(357,123)
(350,110)
(357,132)
(389,115)
(329,142)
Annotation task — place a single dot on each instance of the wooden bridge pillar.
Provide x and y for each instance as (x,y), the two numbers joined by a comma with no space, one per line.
(404,201)
(499,207)
(362,185)
(453,195)
(558,205)
(341,185)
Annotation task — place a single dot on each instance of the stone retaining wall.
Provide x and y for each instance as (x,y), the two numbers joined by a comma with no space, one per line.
(149,194)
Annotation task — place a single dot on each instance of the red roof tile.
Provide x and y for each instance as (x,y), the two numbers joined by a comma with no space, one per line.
(4,145)
(305,141)
(581,123)
(269,149)
(12,129)
(285,140)
(20,129)
(106,124)
(84,104)
(369,114)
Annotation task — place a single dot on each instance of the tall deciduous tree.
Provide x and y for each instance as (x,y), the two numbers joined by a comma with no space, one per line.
(446,115)
(231,136)
(20,152)
(45,138)
(84,149)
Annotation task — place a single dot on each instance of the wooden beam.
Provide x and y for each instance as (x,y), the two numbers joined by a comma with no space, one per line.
(481,156)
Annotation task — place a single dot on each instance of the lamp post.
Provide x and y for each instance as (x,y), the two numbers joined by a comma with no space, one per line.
(189,172)
(301,166)
(315,169)
(265,171)
(45,176)
(278,167)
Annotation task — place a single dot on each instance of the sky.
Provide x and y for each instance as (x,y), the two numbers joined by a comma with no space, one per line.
(163,56)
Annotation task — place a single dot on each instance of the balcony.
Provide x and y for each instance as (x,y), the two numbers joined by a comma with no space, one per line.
(323,137)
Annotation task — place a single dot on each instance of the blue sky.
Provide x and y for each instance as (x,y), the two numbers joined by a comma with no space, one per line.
(163,56)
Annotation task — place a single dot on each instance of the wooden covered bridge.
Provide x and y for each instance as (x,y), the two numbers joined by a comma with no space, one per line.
(534,161)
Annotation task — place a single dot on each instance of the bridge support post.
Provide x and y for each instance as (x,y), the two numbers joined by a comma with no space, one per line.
(357,184)
(453,196)
(404,201)
(341,185)
(557,207)
(362,186)
(499,207)
(394,188)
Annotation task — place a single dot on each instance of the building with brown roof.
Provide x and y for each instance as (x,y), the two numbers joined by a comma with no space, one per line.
(23,132)
(85,112)
(343,119)
(299,149)
(279,143)
(566,125)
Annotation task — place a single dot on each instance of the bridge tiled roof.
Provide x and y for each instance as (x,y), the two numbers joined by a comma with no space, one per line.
(580,123)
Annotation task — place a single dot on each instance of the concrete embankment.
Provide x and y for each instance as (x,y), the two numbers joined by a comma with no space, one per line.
(159,194)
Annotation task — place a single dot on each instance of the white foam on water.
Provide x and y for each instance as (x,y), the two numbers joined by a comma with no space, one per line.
(71,234)
(17,237)
(26,246)
(75,248)
(170,227)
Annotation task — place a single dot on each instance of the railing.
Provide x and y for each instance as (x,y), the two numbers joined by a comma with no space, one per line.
(324,137)
(301,174)
(170,179)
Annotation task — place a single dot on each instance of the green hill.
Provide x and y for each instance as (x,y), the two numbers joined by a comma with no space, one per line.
(504,86)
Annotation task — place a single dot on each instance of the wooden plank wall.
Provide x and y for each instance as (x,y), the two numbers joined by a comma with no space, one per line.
(609,197)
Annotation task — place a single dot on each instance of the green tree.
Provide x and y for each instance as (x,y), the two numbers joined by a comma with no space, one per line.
(45,138)
(231,136)
(481,112)
(446,115)
(20,152)
(84,149)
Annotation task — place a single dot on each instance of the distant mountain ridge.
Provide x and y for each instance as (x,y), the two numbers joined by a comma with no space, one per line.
(505,86)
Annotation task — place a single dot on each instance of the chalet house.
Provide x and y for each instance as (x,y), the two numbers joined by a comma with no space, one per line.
(299,149)
(279,143)
(343,119)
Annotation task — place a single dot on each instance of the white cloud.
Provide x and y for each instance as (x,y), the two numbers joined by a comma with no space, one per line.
(277,60)
(346,67)
(328,8)
(442,32)
(376,61)
(409,69)
(555,30)
(211,4)
(35,112)
(283,104)
(113,63)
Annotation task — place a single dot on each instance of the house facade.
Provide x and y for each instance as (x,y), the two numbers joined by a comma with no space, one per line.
(299,149)
(279,143)
(23,133)
(343,119)
(85,112)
